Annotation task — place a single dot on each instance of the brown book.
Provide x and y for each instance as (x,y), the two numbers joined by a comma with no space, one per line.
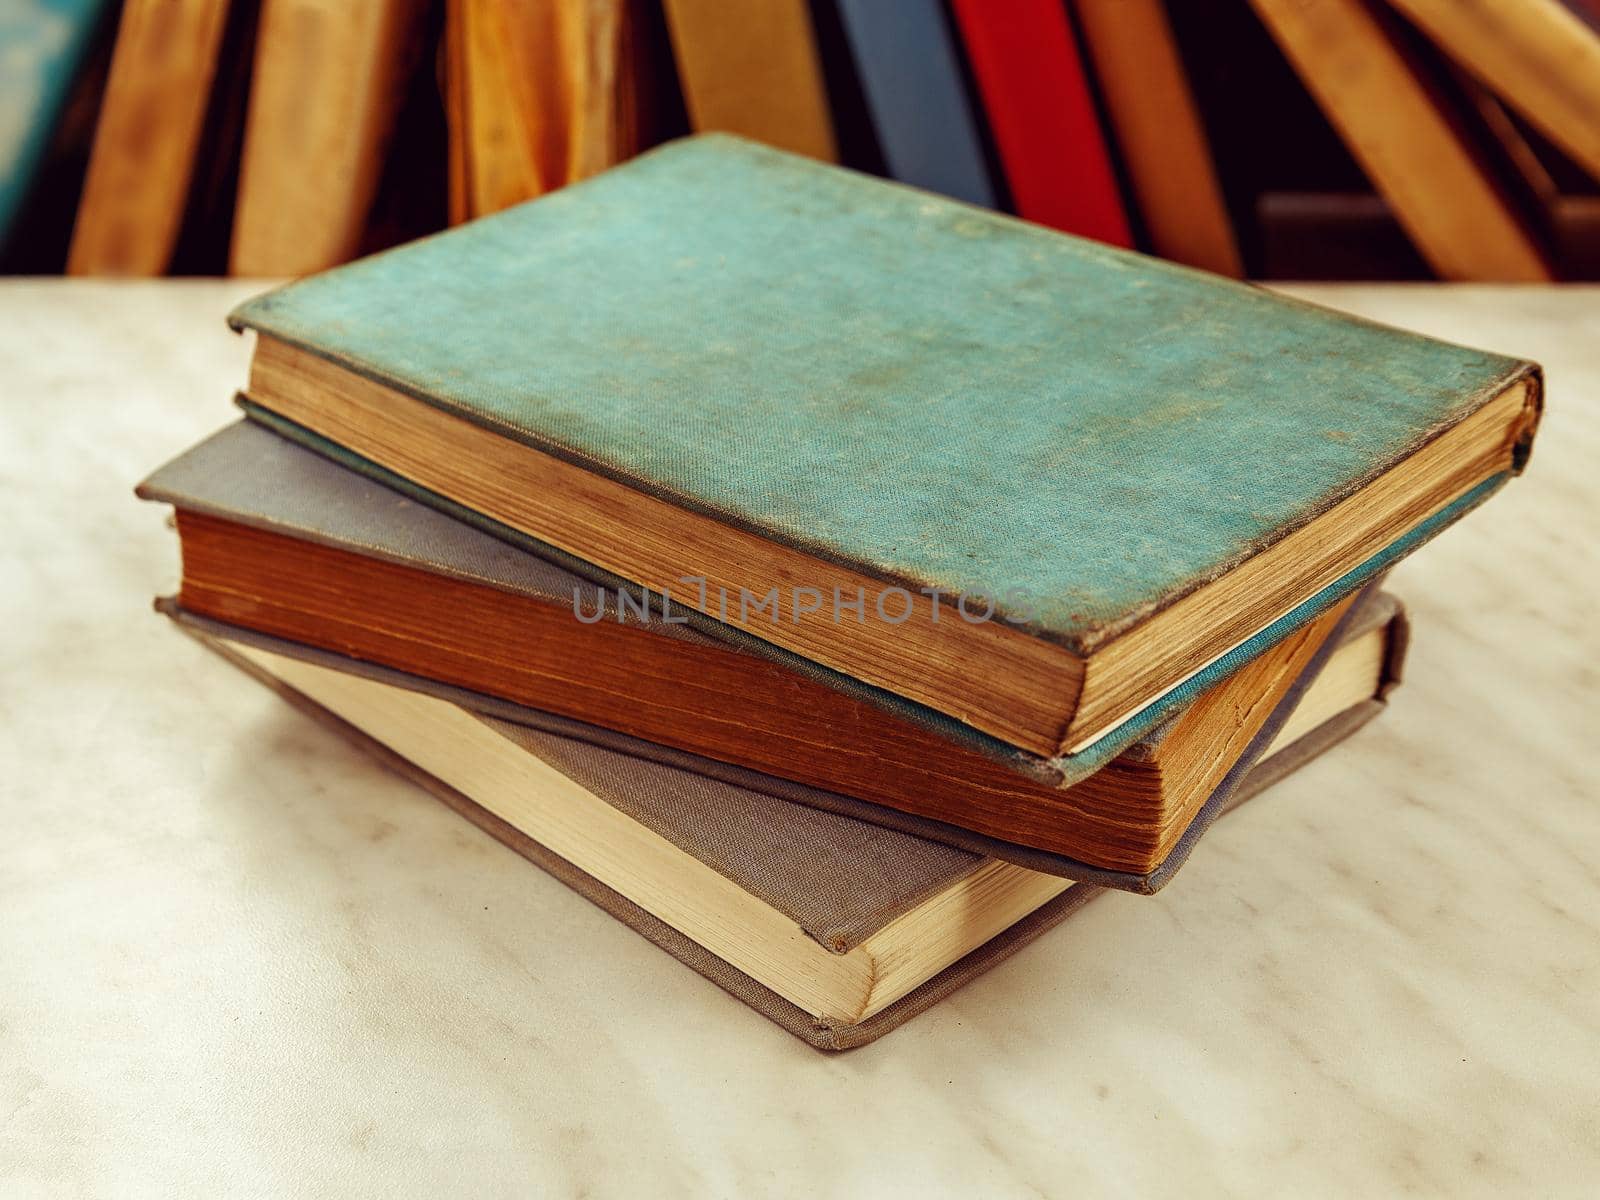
(1521,158)
(149,133)
(280,541)
(838,930)
(1577,222)
(1332,234)
(1157,129)
(757,74)
(1401,127)
(539,94)
(1540,56)
(328,82)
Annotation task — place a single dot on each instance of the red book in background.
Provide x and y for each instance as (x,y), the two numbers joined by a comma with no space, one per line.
(1042,114)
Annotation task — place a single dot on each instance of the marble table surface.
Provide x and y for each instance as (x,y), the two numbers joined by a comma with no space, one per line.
(238,959)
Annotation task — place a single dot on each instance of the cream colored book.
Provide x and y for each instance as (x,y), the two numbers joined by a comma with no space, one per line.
(838,929)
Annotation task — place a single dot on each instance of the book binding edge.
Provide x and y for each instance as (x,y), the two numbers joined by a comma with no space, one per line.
(1043,861)
(1061,771)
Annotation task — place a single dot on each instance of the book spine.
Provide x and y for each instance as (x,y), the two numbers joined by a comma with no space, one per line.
(508,156)
(453,93)
(1031,79)
(1587,11)
(1156,125)
(911,74)
(1377,95)
(759,76)
(1539,55)
(147,137)
(326,93)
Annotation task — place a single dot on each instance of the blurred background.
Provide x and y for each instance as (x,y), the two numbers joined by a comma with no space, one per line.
(1275,139)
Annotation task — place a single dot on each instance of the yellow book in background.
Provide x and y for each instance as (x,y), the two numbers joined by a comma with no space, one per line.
(329,80)
(1156,126)
(1406,138)
(538,94)
(753,72)
(1537,54)
(148,135)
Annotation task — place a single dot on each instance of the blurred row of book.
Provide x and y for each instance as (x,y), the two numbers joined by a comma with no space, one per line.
(1286,139)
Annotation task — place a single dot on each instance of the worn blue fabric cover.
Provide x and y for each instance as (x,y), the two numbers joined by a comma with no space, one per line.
(931,394)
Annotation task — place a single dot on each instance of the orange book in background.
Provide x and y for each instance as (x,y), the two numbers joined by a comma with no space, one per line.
(1156,127)
(539,94)
(329,79)
(147,137)
(1539,56)
(1042,116)
(753,69)
(1408,138)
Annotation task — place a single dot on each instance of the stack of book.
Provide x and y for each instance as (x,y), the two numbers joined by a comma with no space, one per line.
(836,582)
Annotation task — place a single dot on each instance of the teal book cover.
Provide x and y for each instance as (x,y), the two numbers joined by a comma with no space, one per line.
(923,391)
(42,47)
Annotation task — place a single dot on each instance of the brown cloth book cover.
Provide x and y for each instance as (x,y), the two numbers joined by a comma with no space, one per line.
(1374,609)
(541,93)
(665,682)
(1542,56)
(838,878)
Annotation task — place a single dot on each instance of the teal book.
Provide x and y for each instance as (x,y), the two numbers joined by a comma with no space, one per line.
(1030,482)
(42,46)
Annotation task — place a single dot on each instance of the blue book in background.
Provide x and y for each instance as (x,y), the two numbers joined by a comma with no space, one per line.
(906,57)
(42,46)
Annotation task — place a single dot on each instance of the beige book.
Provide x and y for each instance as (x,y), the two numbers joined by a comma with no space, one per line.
(147,137)
(836,928)
(328,83)
(758,75)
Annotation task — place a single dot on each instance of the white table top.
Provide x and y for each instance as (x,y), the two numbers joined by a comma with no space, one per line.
(238,958)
